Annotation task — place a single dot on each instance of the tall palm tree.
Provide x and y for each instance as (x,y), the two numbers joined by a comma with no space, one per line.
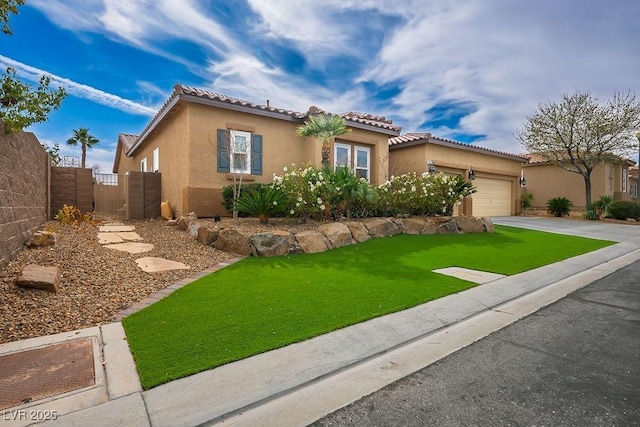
(85,139)
(323,127)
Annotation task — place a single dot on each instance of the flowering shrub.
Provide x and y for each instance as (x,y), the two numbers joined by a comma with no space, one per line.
(309,190)
(72,215)
(425,194)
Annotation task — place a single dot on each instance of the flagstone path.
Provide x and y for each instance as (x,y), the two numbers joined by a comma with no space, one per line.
(117,236)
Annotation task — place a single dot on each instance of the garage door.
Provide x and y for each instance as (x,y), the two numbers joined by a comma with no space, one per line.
(493,197)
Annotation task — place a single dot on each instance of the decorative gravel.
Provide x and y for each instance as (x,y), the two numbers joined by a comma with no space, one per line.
(97,283)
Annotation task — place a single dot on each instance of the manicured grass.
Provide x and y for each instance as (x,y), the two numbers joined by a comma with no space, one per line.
(260,304)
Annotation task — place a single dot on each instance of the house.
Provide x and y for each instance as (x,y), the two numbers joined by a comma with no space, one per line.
(495,175)
(547,181)
(200,140)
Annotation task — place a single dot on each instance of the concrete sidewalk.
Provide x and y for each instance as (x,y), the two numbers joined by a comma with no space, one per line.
(300,383)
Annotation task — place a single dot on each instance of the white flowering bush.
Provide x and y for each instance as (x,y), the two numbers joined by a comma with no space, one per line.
(424,194)
(309,189)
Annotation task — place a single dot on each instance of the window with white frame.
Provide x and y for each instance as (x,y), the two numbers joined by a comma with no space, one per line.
(240,152)
(624,180)
(362,162)
(143,165)
(156,160)
(633,188)
(356,157)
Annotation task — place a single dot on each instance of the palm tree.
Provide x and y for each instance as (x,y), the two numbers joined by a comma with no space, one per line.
(323,127)
(85,139)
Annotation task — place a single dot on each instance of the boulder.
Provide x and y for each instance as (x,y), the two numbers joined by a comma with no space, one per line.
(171,222)
(381,227)
(488,225)
(232,241)
(42,238)
(410,225)
(166,211)
(469,224)
(39,277)
(448,228)
(193,228)
(429,227)
(271,244)
(207,235)
(311,241)
(337,234)
(183,222)
(358,231)
(192,216)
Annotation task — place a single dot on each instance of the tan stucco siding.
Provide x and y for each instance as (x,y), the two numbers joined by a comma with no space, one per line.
(546,182)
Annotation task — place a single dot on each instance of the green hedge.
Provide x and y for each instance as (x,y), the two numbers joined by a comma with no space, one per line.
(624,209)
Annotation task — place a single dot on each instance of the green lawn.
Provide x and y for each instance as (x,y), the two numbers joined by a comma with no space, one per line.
(260,304)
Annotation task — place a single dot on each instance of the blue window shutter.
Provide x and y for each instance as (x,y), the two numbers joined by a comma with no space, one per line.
(224,149)
(256,154)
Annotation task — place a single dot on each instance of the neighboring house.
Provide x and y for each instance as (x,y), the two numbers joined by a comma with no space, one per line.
(495,174)
(547,181)
(200,140)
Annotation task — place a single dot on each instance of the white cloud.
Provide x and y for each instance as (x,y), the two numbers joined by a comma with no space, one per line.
(78,89)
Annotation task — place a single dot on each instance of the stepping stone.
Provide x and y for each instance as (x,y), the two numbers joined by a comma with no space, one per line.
(155,265)
(129,235)
(116,228)
(105,238)
(131,247)
(39,277)
(469,275)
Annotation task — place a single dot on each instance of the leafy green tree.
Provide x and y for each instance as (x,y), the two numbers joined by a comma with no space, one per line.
(20,104)
(53,152)
(8,7)
(323,127)
(579,133)
(85,140)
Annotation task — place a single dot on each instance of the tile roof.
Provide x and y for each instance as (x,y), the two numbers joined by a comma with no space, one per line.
(409,138)
(127,141)
(180,91)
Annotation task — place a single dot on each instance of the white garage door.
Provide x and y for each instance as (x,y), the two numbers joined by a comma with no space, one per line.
(493,197)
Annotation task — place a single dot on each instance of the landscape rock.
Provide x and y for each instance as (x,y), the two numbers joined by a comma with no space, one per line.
(271,244)
(429,227)
(488,225)
(207,235)
(381,227)
(358,231)
(39,277)
(411,225)
(337,234)
(172,222)
(311,241)
(183,222)
(232,241)
(448,228)
(42,238)
(193,228)
(469,224)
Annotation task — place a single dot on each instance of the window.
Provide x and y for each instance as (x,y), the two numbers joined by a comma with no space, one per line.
(634,190)
(156,160)
(361,163)
(624,180)
(239,152)
(143,165)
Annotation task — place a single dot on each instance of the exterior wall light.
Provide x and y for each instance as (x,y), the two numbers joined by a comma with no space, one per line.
(472,174)
(431,167)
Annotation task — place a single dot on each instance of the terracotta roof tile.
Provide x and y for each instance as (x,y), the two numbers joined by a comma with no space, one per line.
(128,139)
(414,137)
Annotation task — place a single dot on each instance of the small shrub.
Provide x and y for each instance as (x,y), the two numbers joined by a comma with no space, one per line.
(559,206)
(624,209)
(526,202)
(261,202)
(73,216)
(227,195)
(602,206)
(591,213)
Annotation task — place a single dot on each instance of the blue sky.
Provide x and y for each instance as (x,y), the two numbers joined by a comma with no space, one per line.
(462,69)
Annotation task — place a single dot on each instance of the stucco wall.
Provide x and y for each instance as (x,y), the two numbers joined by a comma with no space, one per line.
(24,183)
(188,154)
(547,181)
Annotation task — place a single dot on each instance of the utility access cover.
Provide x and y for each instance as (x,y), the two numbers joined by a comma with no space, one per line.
(30,375)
